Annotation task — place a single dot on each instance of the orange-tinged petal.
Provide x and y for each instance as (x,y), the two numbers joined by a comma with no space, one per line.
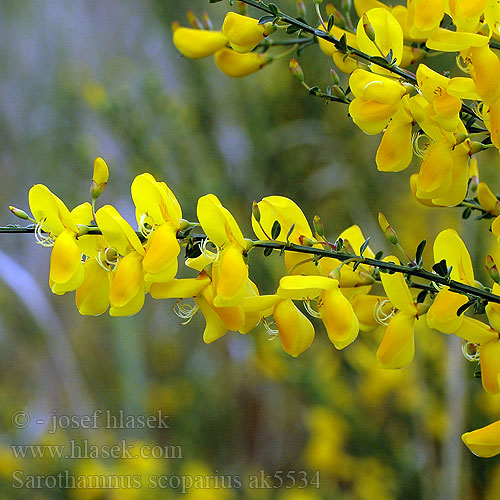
(232,316)
(127,281)
(133,306)
(92,296)
(118,231)
(295,330)
(230,277)
(398,346)
(449,246)
(194,43)
(397,290)
(338,316)
(65,258)
(484,442)
(237,65)
(490,366)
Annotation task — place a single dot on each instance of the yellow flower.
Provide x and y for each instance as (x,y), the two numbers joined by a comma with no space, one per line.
(99,177)
(244,33)
(335,310)
(158,214)
(195,44)
(54,218)
(127,290)
(230,271)
(376,100)
(236,65)
(487,199)
(424,17)
(398,346)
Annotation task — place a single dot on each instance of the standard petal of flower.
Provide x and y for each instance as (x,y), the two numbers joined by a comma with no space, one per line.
(65,258)
(449,246)
(194,43)
(395,151)
(92,296)
(490,366)
(295,330)
(218,223)
(215,327)
(133,306)
(82,214)
(118,231)
(127,281)
(484,442)
(398,346)
(445,40)
(371,116)
(47,207)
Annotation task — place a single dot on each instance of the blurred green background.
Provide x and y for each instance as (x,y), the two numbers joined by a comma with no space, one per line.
(87,78)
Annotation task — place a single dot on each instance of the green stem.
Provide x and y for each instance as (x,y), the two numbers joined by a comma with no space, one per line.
(454,286)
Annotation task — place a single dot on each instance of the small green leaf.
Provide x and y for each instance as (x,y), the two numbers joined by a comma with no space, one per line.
(421,296)
(364,245)
(467,213)
(290,232)
(266,19)
(331,21)
(356,265)
(343,44)
(314,90)
(339,244)
(440,268)
(419,252)
(379,255)
(273,8)
(291,29)
(466,306)
(192,251)
(276,230)
(268,251)
(214,1)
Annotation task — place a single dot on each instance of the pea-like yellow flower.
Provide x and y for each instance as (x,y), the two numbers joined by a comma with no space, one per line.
(334,309)
(230,271)
(398,345)
(376,100)
(237,65)
(99,178)
(244,33)
(195,43)
(159,217)
(61,226)
(126,294)
(424,17)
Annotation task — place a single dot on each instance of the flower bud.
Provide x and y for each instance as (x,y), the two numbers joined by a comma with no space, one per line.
(175,26)
(487,199)
(367,26)
(82,229)
(318,226)
(334,76)
(335,274)
(19,213)
(492,269)
(387,229)
(296,70)
(305,241)
(99,178)
(339,92)
(459,138)
(476,147)
(256,211)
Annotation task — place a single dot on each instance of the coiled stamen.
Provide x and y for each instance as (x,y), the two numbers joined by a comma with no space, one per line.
(185,310)
(208,254)
(144,227)
(111,258)
(273,332)
(310,309)
(43,236)
(463,64)
(382,317)
(418,148)
(470,351)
